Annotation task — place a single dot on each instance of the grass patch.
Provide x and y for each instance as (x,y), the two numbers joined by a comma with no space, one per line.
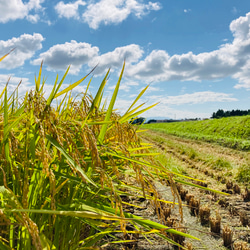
(243,174)
(220,164)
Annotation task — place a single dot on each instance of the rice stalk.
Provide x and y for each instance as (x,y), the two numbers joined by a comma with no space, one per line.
(57,159)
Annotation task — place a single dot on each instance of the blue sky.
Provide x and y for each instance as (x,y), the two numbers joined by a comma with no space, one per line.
(195,54)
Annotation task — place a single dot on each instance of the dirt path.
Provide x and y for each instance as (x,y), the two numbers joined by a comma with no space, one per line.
(195,158)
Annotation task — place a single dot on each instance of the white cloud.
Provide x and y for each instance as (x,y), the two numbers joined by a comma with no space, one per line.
(115,11)
(186,10)
(114,59)
(11,10)
(198,98)
(33,18)
(167,103)
(234,10)
(159,66)
(152,89)
(152,67)
(243,76)
(122,105)
(25,47)
(160,110)
(105,11)
(60,56)
(231,59)
(13,82)
(125,85)
(240,27)
(163,110)
(166,107)
(69,10)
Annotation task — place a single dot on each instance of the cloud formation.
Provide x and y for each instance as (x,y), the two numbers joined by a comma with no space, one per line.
(11,10)
(173,113)
(105,11)
(198,97)
(13,81)
(231,59)
(162,109)
(114,59)
(170,103)
(60,56)
(69,10)
(24,47)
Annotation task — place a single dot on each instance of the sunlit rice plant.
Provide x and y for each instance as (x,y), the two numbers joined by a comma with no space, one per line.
(64,168)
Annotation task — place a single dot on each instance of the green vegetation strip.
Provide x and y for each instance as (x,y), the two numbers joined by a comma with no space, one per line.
(233,132)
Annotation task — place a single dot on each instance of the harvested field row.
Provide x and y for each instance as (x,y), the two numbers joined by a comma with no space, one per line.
(207,162)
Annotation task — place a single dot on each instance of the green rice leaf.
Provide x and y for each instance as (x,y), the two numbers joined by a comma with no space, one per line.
(5,130)
(110,108)
(86,91)
(55,90)
(46,243)
(144,222)
(99,93)
(137,98)
(3,246)
(129,117)
(124,117)
(38,80)
(52,94)
(3,92)
(72,86)
(200,187)
(80,214)
(70,160)
(13,125)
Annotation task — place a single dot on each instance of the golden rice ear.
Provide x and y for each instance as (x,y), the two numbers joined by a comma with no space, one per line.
(68,166)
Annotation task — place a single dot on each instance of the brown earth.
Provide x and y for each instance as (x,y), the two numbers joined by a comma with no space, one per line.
(234,209)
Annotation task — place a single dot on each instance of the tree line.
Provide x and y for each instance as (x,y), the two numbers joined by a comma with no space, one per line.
(221,113)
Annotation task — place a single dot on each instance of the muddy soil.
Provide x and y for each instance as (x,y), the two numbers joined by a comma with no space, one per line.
(233,209)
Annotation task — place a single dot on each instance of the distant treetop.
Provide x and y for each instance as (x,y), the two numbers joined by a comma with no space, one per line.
(221,113)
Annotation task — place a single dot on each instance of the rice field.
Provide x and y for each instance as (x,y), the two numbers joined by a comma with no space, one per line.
(220,167)
(233,132)
(67,169)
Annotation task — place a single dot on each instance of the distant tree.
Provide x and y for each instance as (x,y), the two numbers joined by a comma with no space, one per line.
(221,113)
(152,121)
(244,112)
(227,113)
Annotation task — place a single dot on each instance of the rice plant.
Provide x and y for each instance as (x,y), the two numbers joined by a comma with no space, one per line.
(65,167)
